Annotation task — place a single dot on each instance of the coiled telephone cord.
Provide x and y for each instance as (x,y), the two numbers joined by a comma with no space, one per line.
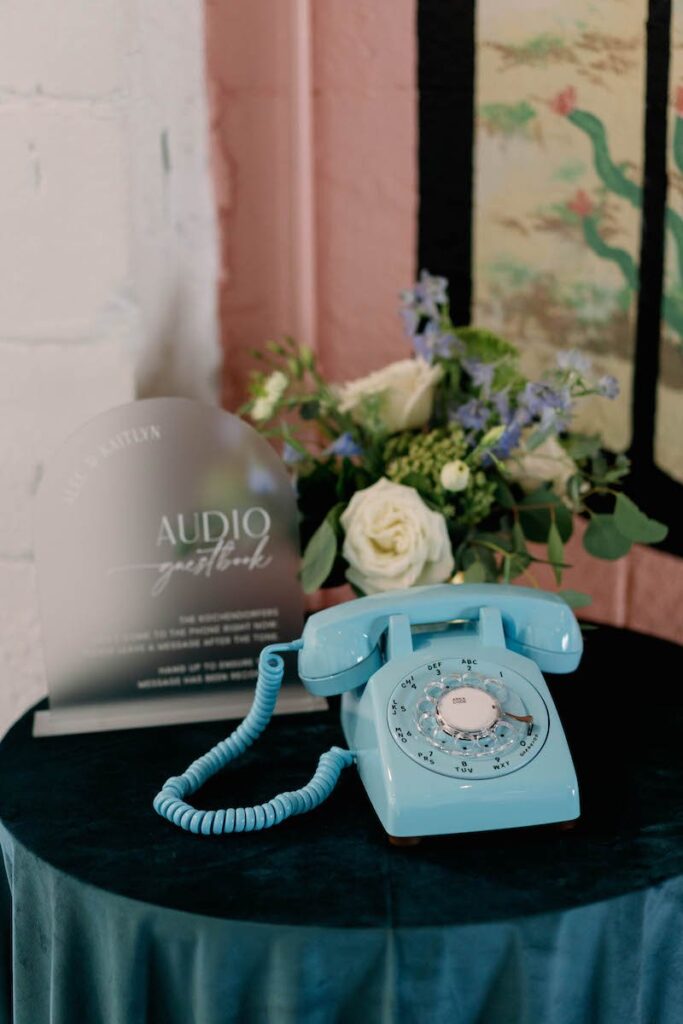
(170,802)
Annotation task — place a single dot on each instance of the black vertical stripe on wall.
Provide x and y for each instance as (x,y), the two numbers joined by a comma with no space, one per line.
(654,490)
(445,31)
(652,238)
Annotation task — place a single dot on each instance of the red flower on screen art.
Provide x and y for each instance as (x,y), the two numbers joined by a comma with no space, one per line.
(564,102)
(679,101)
(581,204)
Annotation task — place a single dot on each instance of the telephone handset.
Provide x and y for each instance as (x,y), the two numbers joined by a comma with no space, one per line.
(446,713)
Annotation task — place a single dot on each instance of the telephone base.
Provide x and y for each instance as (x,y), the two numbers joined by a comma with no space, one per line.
(428,797)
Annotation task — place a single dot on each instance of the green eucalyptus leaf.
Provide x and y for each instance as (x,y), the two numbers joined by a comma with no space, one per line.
(599,467)
(536,521)
(518,538)
(635,525)
(518,562)
(319,556)
(555,551)
(582,446)
(541,496)
(564,521)
(507,376)
(615,474)
(485,345)
(475,573)
(497,539)
(537,437)
(575,599)
(604,540)
(469,555)
(504,495)
(574,485)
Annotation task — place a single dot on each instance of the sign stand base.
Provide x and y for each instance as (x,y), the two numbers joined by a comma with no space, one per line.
(106,717)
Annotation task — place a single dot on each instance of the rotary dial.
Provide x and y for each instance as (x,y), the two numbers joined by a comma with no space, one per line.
(467,712)
(476,721)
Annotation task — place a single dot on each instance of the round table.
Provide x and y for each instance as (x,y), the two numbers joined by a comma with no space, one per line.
(108,914)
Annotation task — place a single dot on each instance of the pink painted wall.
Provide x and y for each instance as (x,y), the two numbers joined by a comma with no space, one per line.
(364,101)
(249,96)
(365,117)
(362,66)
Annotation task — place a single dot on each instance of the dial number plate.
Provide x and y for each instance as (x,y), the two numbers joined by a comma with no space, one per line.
(454,716)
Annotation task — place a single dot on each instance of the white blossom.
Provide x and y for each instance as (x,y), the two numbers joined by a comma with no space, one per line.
(392,540)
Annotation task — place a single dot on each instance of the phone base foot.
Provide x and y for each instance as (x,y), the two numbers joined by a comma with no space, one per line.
(404,840)
(567,826)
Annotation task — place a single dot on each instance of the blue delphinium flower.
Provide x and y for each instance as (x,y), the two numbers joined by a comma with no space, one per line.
(508,441)
(539,395)
(514,421)
(608,386)
(501,403)
(431,293)
(554,419)
(432,342)
(574,360)
(426,296)
(290,454)
(421,347)
(481,373)
(344,445)
(474,414)
(411,319)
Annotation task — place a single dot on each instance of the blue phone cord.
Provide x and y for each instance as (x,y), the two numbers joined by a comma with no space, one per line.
(170,801)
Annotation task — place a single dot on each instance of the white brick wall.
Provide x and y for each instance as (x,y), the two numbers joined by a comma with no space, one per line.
(107,251)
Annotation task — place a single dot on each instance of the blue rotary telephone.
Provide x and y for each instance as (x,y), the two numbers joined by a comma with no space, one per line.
(444,709)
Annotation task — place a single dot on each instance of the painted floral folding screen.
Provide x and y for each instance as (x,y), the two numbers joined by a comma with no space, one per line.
(551,195)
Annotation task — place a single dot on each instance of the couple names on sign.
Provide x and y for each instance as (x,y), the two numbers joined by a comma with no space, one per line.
(167,552)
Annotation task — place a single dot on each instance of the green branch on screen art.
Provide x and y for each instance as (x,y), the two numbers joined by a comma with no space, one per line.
(611,174)
(623,259)
(678,130)
(615,180)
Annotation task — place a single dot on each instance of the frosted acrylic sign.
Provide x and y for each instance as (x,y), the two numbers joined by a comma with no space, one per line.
(167,552)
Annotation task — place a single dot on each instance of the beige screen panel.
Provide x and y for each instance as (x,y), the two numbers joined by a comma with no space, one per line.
(669,417)
(558,169)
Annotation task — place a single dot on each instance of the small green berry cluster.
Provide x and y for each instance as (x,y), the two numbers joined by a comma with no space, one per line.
(424,454)
(419,458)
(474,504)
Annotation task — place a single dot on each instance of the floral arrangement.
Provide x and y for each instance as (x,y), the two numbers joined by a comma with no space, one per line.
(446,465)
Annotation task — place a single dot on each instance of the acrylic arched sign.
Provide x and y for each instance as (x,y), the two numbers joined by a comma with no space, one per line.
(167,552)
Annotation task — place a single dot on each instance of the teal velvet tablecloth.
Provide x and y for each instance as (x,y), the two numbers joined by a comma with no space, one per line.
(109,916)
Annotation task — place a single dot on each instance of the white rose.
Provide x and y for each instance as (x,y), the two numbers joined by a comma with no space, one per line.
(455,475)
(273,388)
(393,540)
(549,463)
(406,389)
